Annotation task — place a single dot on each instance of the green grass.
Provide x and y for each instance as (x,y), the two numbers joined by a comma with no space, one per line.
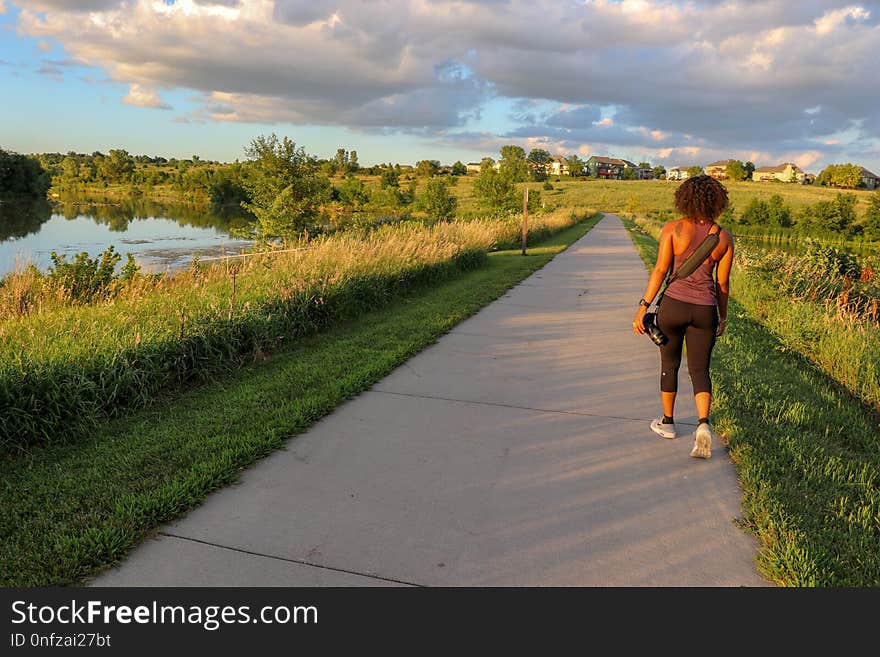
(806,450)
(65,366)
(69,510)
(648,195)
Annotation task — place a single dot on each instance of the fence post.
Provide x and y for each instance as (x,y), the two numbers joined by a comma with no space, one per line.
(525,222)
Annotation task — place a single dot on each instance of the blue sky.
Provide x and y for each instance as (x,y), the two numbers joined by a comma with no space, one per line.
(676,83)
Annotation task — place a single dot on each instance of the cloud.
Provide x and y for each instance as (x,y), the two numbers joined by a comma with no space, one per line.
(733,76)
(139,96)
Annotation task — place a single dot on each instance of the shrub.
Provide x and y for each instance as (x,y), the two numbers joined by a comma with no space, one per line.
(64,366)
(436,201)
(86,279)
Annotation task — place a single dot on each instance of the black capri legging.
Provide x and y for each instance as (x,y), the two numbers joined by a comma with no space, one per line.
(696,325)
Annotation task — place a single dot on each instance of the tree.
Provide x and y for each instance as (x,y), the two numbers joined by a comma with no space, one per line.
(837,216)
(117,166)
(695,171)
(487,163)
(736,170)
(285,188)
(629,173)
(69,170)
(872,217)
(496,190)
(846,176)
(459,169)
(436,201)
(749,169)
(389,178)
(659,172)
(755,214)
(575,166)
(352,192)
(341,160)
(513,163)
(353,162)
(427,168)
(539,160)
(778,213)
(21,175)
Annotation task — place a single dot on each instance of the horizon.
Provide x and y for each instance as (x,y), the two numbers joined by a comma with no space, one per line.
(451,81)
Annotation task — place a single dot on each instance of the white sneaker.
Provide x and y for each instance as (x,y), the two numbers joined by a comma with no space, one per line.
(702,442)
(665,430)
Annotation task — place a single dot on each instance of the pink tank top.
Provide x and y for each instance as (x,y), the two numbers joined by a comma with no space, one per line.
(699,287)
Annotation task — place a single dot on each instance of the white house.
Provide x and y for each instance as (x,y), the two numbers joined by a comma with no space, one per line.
(677,173)
(559,166)
(785,172)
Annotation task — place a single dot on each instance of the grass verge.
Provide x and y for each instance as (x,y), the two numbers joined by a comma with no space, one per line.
(78,349)
(69,510)
(807,452)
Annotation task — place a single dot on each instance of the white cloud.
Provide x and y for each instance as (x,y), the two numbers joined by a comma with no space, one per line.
(834,20)
(731,76)
(139,96)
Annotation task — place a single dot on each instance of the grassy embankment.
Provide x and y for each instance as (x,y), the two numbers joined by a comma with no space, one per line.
(654,198)
(64,366)
(807,450)
(656,195)
(68,510)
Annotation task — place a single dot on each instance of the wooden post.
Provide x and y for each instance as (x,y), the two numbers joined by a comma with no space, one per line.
(525,224)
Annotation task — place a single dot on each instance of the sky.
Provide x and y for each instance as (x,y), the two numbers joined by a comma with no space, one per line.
(670,82)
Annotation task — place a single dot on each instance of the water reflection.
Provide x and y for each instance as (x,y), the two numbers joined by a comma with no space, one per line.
(22,218)
(159,236)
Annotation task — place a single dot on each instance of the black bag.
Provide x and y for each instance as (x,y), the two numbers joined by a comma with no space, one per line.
(688,267)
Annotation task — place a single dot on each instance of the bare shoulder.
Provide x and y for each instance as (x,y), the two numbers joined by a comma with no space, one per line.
(673,227)
(725,243)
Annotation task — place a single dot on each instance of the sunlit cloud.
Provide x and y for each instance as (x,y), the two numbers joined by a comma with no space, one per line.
(835,20)
(139,96)
(639,78)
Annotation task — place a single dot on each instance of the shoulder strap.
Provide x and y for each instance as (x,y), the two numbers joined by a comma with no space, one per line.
(693,261)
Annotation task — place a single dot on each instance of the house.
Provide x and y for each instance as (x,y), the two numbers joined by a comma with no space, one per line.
(785,172)
(677,173)
(559,166)
(607,167)
(476,167)
(644,173)
(869,180)
(718,170)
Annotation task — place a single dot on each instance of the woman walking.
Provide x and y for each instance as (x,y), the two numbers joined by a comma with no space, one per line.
(694,308)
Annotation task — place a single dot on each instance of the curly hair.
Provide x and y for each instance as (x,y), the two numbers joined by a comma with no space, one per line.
(701,197)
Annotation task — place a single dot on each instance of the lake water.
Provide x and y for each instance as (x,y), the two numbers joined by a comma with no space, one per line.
(158,237)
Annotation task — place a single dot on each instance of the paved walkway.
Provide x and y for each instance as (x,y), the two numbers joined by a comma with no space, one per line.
(515,451)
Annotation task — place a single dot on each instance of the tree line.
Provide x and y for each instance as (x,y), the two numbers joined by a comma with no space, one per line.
(22,176)
(836,216)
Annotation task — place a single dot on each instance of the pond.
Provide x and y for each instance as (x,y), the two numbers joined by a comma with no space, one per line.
(796,246)
(159,237)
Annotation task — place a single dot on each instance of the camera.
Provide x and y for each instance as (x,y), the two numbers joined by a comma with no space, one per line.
(653,331)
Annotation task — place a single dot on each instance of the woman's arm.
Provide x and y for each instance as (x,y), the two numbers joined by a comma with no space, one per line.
(665,255)
(724,266)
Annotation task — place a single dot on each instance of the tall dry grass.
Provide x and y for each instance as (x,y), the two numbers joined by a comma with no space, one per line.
(827,314)
(64,366)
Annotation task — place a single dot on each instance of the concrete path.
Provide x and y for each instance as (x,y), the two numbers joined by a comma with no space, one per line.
(515,451)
